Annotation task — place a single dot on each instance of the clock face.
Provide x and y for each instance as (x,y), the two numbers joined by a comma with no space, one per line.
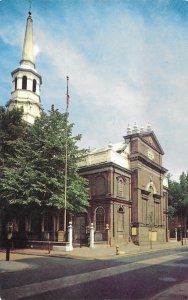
(150,155)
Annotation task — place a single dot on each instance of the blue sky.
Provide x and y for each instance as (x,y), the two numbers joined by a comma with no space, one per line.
(127,61)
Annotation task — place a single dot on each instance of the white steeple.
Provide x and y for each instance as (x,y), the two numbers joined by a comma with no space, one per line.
(27,53)
(26,80)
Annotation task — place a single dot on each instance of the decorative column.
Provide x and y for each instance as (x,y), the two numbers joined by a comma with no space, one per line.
(91,236)
(70,247)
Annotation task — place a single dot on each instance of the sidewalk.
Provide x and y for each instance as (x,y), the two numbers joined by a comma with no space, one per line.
(98,252)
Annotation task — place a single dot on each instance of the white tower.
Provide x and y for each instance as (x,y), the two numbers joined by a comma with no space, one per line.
(26,81)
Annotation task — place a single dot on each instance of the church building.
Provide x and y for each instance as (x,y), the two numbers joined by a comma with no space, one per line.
(128,188)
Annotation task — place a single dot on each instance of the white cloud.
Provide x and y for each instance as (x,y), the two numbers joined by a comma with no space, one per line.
(36,50)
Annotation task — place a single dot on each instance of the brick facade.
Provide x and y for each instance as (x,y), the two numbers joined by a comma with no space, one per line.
(132,196)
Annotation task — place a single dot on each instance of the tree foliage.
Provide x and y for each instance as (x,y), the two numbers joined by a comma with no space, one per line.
(178,196)
(12,134)
(33,167)
(12,131)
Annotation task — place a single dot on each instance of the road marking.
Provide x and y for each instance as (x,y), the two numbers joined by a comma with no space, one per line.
(162,259)
(175,265)
(68,281)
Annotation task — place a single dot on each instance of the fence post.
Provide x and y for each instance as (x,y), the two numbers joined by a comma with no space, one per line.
(91,236)
(70,236)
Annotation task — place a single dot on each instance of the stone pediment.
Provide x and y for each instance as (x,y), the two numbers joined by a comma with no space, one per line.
(150,139)
(145,194)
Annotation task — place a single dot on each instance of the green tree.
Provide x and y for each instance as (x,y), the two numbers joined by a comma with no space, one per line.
(48,139)
(34,172)
(12,130)
(12,133)
(184,198)
(178,199)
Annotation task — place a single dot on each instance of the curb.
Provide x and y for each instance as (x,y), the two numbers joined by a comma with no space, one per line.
(102,257)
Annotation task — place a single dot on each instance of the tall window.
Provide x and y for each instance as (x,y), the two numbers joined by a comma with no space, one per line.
(157,213)
(144,211)
(34,222)
(34,85)
(16,80)
(99,186)
(120,187)
(24,83)
(100,216)
(150,207)
(120,219)
(48,222)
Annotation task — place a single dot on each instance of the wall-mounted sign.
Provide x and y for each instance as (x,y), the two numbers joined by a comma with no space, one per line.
(134,231)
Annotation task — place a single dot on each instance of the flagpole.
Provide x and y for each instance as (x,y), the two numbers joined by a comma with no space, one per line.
(66,160)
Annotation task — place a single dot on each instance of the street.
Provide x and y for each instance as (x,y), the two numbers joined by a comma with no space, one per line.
(122,277)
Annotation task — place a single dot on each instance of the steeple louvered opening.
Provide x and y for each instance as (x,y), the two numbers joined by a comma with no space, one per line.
(34,85)
(16,83)
(24,82)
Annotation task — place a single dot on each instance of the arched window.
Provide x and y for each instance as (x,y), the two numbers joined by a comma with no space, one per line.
(24,83)
(100,218)
(120,187)
(34,85)
(15,82)
(100,186)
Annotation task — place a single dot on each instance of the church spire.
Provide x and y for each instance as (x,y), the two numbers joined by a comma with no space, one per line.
(27,53)
(26,81)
